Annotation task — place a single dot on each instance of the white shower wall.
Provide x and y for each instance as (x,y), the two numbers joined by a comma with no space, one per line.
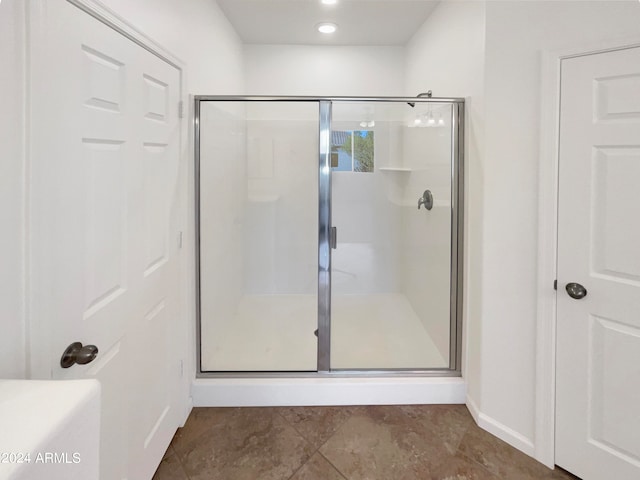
(280,228)
(366,259)
(368,219)
(426,235)
(387,245)
(222,212)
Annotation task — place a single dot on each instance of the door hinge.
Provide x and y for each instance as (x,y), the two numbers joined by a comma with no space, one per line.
(180,240)
(333,238)
(180,109)
(555,284)
(181,368)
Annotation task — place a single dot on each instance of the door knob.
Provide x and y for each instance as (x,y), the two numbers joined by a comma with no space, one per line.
(575,290)
(76,353)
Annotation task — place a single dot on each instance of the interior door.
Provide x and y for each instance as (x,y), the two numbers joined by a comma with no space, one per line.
(105,150)
(598,333)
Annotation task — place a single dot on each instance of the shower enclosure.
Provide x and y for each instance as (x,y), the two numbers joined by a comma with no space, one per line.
(329,235)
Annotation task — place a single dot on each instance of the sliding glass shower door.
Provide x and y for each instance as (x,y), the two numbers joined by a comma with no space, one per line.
(258,235)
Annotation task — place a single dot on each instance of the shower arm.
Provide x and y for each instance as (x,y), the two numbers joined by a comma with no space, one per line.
(427,94)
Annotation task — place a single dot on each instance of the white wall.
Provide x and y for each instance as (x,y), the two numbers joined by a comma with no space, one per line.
(320,70)
(197,32)
(447,56)
(516,34)
(498,68)
(12,190)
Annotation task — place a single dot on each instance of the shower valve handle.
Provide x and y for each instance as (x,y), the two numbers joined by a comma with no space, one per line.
(426,200)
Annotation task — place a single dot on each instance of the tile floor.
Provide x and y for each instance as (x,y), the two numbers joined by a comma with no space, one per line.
(422,442)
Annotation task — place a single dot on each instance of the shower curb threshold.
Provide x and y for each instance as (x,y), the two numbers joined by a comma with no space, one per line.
(274,392)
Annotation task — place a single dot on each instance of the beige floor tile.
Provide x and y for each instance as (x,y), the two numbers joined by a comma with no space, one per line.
(560,474)
(170,469)
(383,443)
(316,424)
(459,467)
(317,468)
(500,458)
(414,442)
(201,422)
(251,443)
(448,422)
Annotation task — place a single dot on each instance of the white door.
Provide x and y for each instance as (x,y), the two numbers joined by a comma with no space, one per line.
(105,148)
(598,336)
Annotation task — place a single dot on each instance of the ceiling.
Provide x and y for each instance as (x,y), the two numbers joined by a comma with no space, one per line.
(360,22)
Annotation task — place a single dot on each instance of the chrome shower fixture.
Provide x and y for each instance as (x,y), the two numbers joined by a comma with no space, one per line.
(427,94)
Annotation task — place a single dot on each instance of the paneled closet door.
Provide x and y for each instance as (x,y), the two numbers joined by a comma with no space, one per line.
(598,340)
(105,272)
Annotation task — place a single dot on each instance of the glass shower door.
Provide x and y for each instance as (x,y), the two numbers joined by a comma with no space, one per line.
(258,235)
(391,202)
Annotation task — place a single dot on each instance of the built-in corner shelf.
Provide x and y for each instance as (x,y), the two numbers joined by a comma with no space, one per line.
(395,169)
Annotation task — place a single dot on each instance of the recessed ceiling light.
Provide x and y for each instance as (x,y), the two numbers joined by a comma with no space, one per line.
(327,27)
(329,2)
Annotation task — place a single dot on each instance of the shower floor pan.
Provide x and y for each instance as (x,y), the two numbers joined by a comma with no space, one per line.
(275,333)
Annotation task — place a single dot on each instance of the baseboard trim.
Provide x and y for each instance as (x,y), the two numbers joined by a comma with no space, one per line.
(234,392)
(473,408)
(491,425)
(187,411)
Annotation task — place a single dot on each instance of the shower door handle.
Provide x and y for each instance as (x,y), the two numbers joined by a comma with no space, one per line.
(333,238)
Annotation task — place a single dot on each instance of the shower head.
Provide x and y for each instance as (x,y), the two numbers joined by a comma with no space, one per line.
(428,94)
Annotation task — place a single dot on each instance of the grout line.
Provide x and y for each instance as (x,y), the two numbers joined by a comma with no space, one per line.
(184,470)
(175,453)
(331,463)
(317,449)
(295,429)
(333,435)
(278,410)
(298,469)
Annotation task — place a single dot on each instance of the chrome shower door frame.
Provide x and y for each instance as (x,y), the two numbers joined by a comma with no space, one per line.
(324,239)
(324,236)
(457,236)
